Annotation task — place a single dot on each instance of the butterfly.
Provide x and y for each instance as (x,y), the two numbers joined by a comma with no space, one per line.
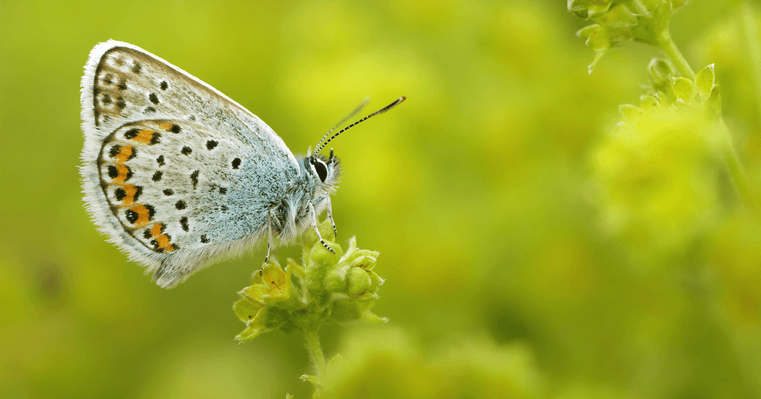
(177,174)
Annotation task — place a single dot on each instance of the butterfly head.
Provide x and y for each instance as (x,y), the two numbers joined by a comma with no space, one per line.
(323,171)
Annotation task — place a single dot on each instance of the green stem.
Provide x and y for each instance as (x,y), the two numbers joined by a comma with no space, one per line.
(315,351)
(736,171)
(669,47)
(734,166)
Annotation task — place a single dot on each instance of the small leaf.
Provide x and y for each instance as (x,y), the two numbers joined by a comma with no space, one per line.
(704,82)
(586,31)
(683,88)
(245,309)
(372,318)
(714,103)
(599,39)
(648,102)
(618,17)
(592,65)
(628,112)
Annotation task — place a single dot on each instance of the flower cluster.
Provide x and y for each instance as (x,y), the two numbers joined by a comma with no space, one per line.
(657,171)
(615,22)
(340,287)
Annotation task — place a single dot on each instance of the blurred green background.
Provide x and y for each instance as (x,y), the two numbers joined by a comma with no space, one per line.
(503,276)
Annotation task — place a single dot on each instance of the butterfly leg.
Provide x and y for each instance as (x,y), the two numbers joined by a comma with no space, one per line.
(330,217)
(316,230)
(269,245)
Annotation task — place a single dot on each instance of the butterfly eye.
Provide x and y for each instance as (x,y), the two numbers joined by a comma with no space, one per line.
(321,169)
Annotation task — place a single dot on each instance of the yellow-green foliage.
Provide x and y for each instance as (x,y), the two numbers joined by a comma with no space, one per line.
(536,242)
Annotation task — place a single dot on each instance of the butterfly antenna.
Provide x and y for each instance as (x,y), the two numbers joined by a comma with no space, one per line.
(378,112)
(346,118)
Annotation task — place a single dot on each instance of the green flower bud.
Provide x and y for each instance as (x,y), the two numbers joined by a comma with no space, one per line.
(359,281)
(589,8)
(335,280)
(661,71)
(254,327)
(365,260)
(704,82)
(683,88)
(341,286)
(619,17)
(246,309)
(271,285)
(653,28)
(346,309)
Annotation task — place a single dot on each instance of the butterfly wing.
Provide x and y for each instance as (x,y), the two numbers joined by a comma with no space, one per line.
(174,172)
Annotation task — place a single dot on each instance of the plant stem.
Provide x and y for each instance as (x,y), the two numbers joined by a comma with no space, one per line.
(669,47)
(315,351)
(736,170)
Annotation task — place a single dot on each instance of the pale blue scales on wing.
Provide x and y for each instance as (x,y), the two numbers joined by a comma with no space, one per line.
(176,173)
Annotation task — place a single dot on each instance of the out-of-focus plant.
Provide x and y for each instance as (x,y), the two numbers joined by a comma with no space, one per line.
(657,170)
(395,366)
(337,287)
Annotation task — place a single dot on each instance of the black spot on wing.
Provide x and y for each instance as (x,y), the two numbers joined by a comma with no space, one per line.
(194,178)
(131,134)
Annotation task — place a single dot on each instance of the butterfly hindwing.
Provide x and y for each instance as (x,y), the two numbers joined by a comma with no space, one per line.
(172,169)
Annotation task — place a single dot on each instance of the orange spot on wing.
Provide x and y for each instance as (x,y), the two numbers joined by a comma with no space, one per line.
(169,248)
(122,171)
(144,136)
(165,125)
(130,190)
(124,153)
(156,229)
(163,240)
(143,215)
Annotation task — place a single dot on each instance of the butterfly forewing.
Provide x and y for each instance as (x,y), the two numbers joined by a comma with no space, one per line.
(170,164)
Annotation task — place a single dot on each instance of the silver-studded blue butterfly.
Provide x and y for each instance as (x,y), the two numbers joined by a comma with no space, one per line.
(177,174)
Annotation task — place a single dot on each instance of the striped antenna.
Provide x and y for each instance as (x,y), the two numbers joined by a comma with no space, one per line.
(378,112)
(346,118)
